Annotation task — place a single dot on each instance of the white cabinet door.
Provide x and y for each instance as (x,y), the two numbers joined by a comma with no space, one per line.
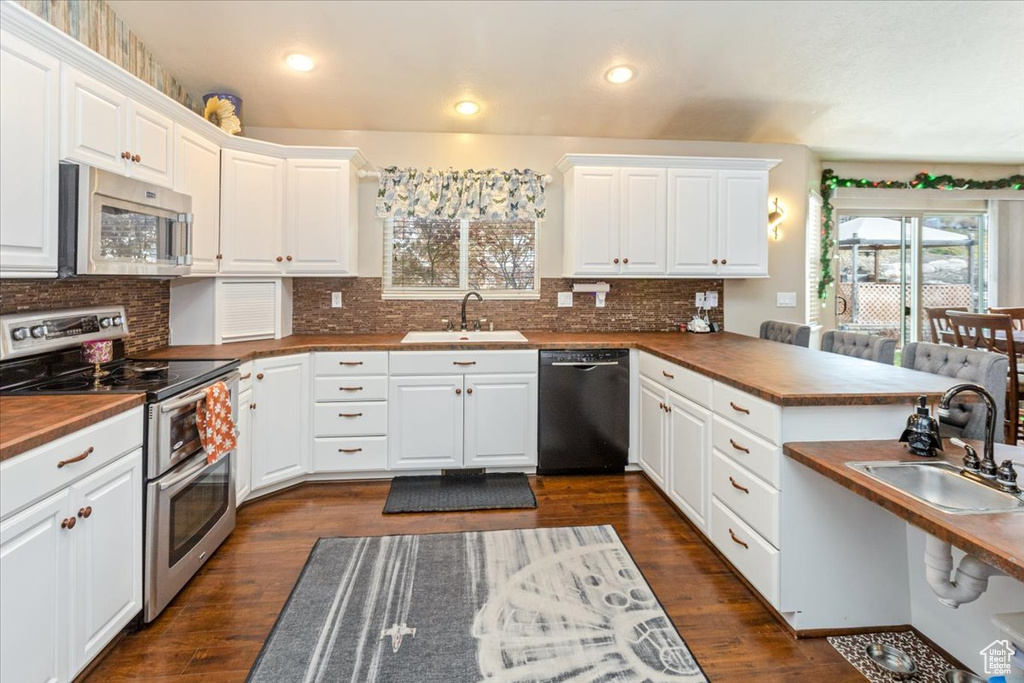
(251,213)
(281,436)
(596,221)
(107,566)
(743,223)
(197,174)
(425,419)
(34,592)
(501,420)
(692,222)
(29,138)
(652,430)
(320,220)
(689,458)
(94,122)
(243,453)
(642,222)
(151,143)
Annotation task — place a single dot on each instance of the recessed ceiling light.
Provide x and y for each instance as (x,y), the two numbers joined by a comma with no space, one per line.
(619,74)
(299,62)
(467,108)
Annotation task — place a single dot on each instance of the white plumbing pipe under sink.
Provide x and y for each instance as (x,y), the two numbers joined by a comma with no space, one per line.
(970,581)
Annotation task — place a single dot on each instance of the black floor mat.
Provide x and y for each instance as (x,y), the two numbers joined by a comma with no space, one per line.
(450,493)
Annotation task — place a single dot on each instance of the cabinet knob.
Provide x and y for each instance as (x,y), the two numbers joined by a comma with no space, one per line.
(724,262)
(252,406)
(625,260)
(85,512)
(714,261)
(137,158)
(259,375)
(126,155)
(68,523)
(289,258)
(279,259)
(661,404)
(469,390)
(615,260)
(458,391)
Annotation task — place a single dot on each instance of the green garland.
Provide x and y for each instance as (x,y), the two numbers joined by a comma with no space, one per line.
(922,181)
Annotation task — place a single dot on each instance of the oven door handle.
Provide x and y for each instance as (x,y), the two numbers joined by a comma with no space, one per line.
(197,395)
(190,473)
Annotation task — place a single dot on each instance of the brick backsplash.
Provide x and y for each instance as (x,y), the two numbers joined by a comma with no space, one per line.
(637,305)
(147,302)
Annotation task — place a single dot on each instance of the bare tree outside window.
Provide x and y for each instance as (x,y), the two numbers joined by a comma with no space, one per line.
(502,255)
(425,253)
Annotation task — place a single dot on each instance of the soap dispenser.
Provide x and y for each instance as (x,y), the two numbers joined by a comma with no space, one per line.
(922,432)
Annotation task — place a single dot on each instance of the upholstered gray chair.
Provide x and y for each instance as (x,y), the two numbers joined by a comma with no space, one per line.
(966,419)
(859,345)
(786,333)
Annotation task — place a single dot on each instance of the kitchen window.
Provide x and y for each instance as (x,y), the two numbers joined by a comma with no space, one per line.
(430,258)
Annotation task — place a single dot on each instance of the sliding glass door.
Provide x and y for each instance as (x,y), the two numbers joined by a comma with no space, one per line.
(891,267)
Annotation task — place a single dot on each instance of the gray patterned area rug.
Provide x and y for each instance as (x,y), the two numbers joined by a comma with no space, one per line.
(931,666)
(563,604)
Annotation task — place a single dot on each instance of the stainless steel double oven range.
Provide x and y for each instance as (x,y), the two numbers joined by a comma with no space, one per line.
(189,504)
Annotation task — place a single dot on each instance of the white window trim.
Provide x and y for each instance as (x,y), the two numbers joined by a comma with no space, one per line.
(451,293)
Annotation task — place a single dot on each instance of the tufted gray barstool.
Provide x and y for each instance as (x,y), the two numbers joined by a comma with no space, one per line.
(966,419)
(786,333)
(859,345)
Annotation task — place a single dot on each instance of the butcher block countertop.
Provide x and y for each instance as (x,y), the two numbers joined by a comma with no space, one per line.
(779,373)
(30,421)
(998,539)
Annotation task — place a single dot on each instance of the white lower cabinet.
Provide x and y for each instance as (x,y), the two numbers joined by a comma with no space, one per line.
(281,425)
(243,452)
(689,451)
(425,429)
(652,430)
(501,420)
(72,573)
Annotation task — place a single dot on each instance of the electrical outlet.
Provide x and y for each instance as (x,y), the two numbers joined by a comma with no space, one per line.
(711,299)
(565,299)
(599,299)
(785,299)
(335,299)
(700,299)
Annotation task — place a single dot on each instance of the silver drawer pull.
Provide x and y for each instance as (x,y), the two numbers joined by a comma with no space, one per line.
(350,414)
(736,540)
(350,388)
(737,486)
(78,458)
(739,409)
(350,450)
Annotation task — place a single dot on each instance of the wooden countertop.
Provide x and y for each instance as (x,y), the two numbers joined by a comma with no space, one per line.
(995,538)
(30,421)
(783,374)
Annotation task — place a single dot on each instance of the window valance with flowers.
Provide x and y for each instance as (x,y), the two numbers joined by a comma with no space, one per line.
(491,194)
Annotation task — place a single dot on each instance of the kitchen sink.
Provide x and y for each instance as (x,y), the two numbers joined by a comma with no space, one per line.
(482,336)
(942,486)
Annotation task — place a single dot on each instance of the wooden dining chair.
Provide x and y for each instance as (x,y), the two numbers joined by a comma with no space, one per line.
(939,322)
(1016,314)
(994,332)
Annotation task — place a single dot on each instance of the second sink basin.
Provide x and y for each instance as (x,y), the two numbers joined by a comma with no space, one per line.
(482,336)
(941,485)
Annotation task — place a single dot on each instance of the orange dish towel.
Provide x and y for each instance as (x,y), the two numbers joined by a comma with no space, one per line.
(213,419)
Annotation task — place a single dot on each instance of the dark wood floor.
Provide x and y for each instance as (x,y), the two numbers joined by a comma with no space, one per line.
(214,629)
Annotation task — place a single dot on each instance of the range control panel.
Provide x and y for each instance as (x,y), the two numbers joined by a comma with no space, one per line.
(22,334)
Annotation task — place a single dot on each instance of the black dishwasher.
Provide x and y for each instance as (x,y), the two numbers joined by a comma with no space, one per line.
(584,411)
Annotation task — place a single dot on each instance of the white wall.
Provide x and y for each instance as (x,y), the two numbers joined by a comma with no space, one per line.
(747,302)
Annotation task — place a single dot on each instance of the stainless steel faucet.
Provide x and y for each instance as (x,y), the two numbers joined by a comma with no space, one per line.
(987,467)
(465,300)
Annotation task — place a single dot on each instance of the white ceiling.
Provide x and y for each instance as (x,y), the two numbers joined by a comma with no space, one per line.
(935,81)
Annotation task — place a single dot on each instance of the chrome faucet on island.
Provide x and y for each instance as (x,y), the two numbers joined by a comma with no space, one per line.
(984,470)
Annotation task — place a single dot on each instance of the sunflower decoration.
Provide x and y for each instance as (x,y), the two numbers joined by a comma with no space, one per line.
(221,113)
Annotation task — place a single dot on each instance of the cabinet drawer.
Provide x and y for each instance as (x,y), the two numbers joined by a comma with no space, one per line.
(754,557)
(350,388)
(357,454)
(462,362)
(350,419)
(751,499)
(752,452)
(343,363)
(688,383)
(761,417)
(30,476)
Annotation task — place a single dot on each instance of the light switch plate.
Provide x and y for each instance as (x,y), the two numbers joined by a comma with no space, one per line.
(335,299)
(711,299)
(785,299)
(565,299)
(599,299)
(700,299)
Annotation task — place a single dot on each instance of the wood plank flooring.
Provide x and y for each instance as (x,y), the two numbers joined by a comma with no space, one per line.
(214,629)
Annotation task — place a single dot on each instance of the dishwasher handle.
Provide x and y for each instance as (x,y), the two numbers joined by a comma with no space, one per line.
(568,364)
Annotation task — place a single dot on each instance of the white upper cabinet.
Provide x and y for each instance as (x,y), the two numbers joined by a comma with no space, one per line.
(94,122)
(321,217)
(29,122)
(197,174)
(151,145)
(251,213)
(633,216)
(642,224)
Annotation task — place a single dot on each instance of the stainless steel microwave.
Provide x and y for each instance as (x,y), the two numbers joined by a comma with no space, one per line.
(112,225)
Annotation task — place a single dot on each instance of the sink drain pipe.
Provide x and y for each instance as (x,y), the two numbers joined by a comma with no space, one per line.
(970,581)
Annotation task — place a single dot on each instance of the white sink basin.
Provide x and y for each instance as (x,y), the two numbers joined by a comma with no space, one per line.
(464,337)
